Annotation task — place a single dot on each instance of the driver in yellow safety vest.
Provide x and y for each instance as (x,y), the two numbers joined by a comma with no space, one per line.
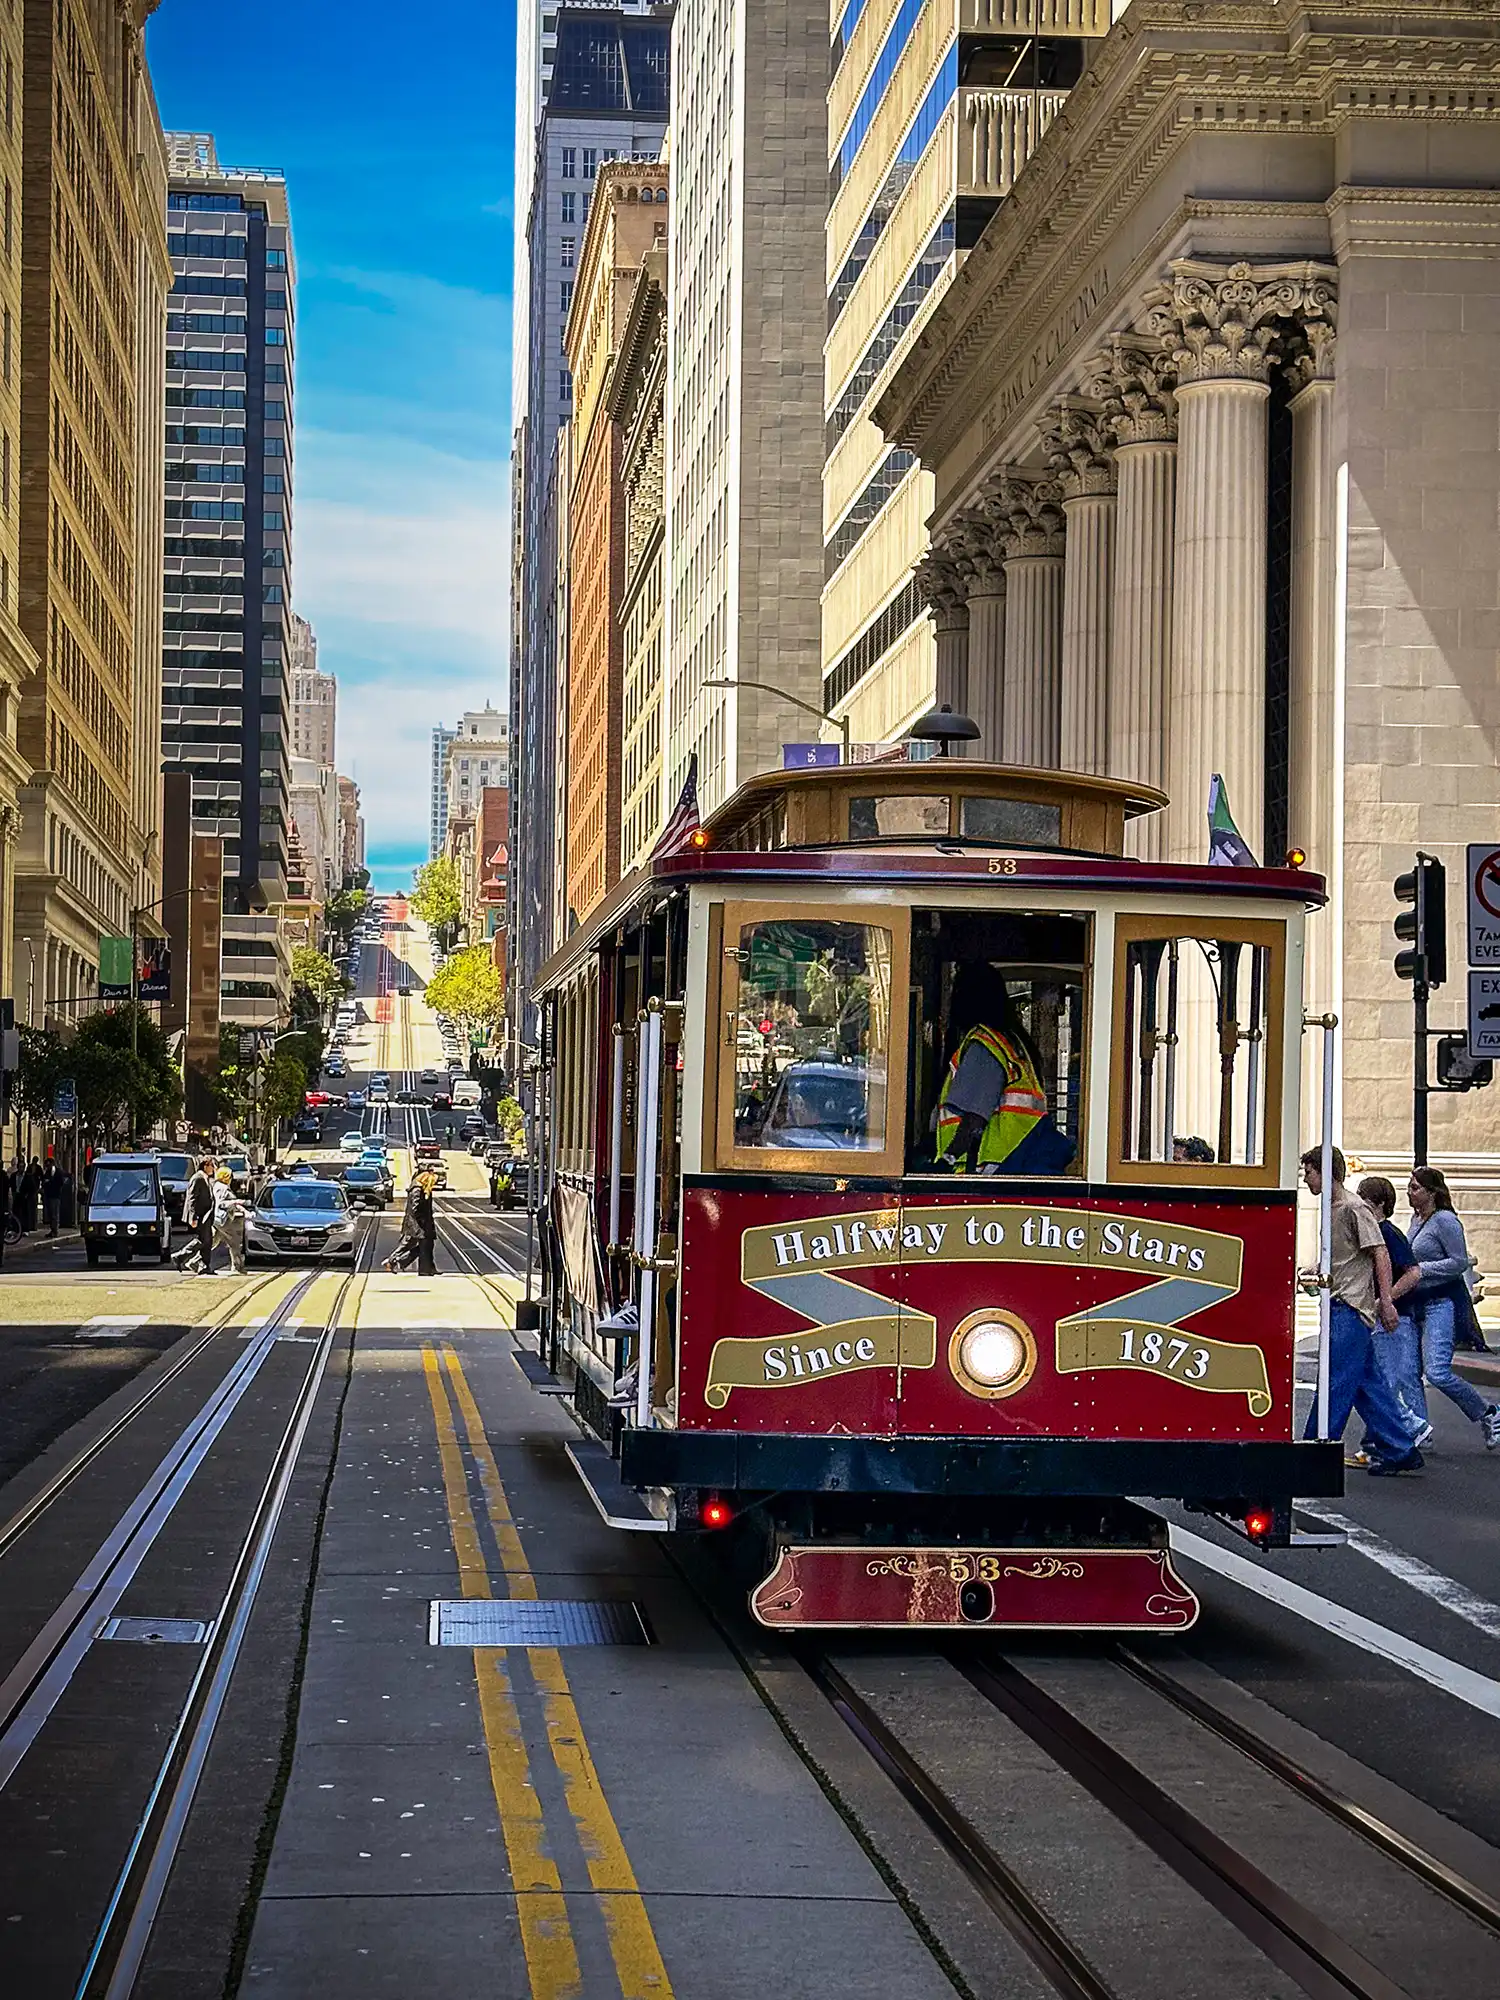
(992,1095)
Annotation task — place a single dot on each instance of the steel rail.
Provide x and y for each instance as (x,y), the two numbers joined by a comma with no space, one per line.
(1457,1888)
(25,1515)
(1292,1936)
(124,1932)
(35,1684)
(1045,1943)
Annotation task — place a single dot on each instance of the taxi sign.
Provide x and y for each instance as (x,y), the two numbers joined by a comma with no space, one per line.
(1484,1013)
(1484,903)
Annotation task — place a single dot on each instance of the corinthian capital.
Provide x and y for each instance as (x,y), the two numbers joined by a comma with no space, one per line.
(1133,379)
(1227,322)
(1027,512)
(980,554)
(10,825)
(1077,440)
(942,582)
(1310,354)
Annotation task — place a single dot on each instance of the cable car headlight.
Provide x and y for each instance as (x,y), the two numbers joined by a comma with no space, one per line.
(992,1353)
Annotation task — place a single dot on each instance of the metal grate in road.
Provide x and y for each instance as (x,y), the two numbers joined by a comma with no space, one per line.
(156,1631)
(530,1621)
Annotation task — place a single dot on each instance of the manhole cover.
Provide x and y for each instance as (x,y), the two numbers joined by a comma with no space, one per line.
(531,1621)
(156,1631)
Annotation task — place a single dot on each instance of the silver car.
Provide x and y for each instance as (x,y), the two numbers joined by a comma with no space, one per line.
(300,1221)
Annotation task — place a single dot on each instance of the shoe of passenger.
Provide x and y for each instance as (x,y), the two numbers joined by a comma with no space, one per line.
(1359,1458)
(1491,1425)
(1388,1468)
(1423,1437)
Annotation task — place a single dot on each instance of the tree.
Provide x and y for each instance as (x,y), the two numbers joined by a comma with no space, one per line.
(468,989)
(124,1076)
(317,975)
(437,897)
(511,1119)
(343,911)
(283,1086)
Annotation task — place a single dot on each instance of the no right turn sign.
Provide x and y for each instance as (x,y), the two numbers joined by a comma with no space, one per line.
(1484,904)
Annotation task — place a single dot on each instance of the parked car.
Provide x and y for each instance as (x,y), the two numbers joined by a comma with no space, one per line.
(335,1066)
(366,1185)
(125,1211)
(294,1220)
(240,1171)
(304,1170)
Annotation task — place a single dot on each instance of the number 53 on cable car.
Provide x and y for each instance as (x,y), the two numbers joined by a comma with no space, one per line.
(919,1180)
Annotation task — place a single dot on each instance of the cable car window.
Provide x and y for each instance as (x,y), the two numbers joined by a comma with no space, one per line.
(1000,1007)
(1020,822)
(1197,1084)
(881,818)
(809,1011)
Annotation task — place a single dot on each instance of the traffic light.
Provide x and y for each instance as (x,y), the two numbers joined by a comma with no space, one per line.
(1457,1069)
(1423,926)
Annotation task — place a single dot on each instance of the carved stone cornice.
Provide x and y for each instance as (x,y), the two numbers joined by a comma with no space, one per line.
(1169,73)
(1077,441)
(1027,512)
(1133,381)
(1228,322)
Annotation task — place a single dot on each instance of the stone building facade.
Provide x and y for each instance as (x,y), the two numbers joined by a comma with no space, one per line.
(628,219)
(637,395)
(1212,415)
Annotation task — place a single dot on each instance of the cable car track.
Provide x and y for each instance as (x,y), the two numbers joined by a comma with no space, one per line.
(1290,1934)
(31,1692)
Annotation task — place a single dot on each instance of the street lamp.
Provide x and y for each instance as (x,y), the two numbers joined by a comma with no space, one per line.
(840,722)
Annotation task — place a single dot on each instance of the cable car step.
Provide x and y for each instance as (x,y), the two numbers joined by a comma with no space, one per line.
(619,1505)
(538,1374)
(1027,1589)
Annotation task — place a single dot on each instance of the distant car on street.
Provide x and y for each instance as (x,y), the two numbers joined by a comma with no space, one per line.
(352,1142)
(367,1186)
(297,1220)
(355,1100)
(176,1170)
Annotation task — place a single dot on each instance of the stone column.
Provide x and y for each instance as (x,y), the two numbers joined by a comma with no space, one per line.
(1029,515)
(1314,809)
(984,570)
(944,589)
(1134,382)
(1222,325)
(1078,453)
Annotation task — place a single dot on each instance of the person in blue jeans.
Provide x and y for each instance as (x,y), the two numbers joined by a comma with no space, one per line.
(1400,1353)
(1360,1278)
(1442,1297)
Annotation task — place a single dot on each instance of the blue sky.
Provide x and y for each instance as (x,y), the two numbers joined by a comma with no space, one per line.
(396,144)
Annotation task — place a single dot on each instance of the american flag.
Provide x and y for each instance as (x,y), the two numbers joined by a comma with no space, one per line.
(678,832)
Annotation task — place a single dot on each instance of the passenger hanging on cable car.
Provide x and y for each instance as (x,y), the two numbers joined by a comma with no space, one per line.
(992,1115)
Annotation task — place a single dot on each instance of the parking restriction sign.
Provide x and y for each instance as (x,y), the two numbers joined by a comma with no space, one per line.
(1484,1013)
(1484,904)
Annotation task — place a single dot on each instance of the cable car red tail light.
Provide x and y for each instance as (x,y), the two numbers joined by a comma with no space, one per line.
(1258,1523)
(714,1512)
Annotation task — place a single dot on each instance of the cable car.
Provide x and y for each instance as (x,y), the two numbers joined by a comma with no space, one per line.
(918,1174)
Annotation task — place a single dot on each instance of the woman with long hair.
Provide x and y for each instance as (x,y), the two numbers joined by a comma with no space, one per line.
(1442,1297)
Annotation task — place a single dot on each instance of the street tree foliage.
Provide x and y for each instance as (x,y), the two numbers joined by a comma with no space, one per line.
(436,896)
(251,1093)
(283,1086)
(511,1119)
(344,910)
(468,989)
(117,1089)
(315,972)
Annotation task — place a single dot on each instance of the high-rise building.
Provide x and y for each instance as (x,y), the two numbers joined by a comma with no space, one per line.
(629,218)
(226,714)
(351,829)
(17,659)
(606,99)
(82,230)
(637,396)
(478,754)
(745,316)
(438,826)
(314,699)
(933,111)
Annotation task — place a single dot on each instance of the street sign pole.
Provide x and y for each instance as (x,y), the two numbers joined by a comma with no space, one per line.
(1419,1073)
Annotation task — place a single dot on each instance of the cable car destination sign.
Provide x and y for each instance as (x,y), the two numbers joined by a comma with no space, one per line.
(799,1264)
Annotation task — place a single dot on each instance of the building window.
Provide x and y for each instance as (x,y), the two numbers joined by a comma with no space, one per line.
(275,374)
(275,413)
(590,162)
(570,207)
(275,447)
(276,336)
(564,385)
(273,522)
(272,593)
(570,163)
(274,483)
(206,246)
(276,302)
(565,290)
(569,252)
(276,260)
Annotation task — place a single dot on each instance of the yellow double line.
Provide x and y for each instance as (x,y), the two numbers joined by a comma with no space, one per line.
(546,1930)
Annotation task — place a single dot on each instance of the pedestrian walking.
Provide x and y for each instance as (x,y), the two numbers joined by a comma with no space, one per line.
(229,1220)
(29,1191)
(1400,1352)
(418,1230)
(197,1254)
(51,1195)
(1360,1281)
(1442,1295)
